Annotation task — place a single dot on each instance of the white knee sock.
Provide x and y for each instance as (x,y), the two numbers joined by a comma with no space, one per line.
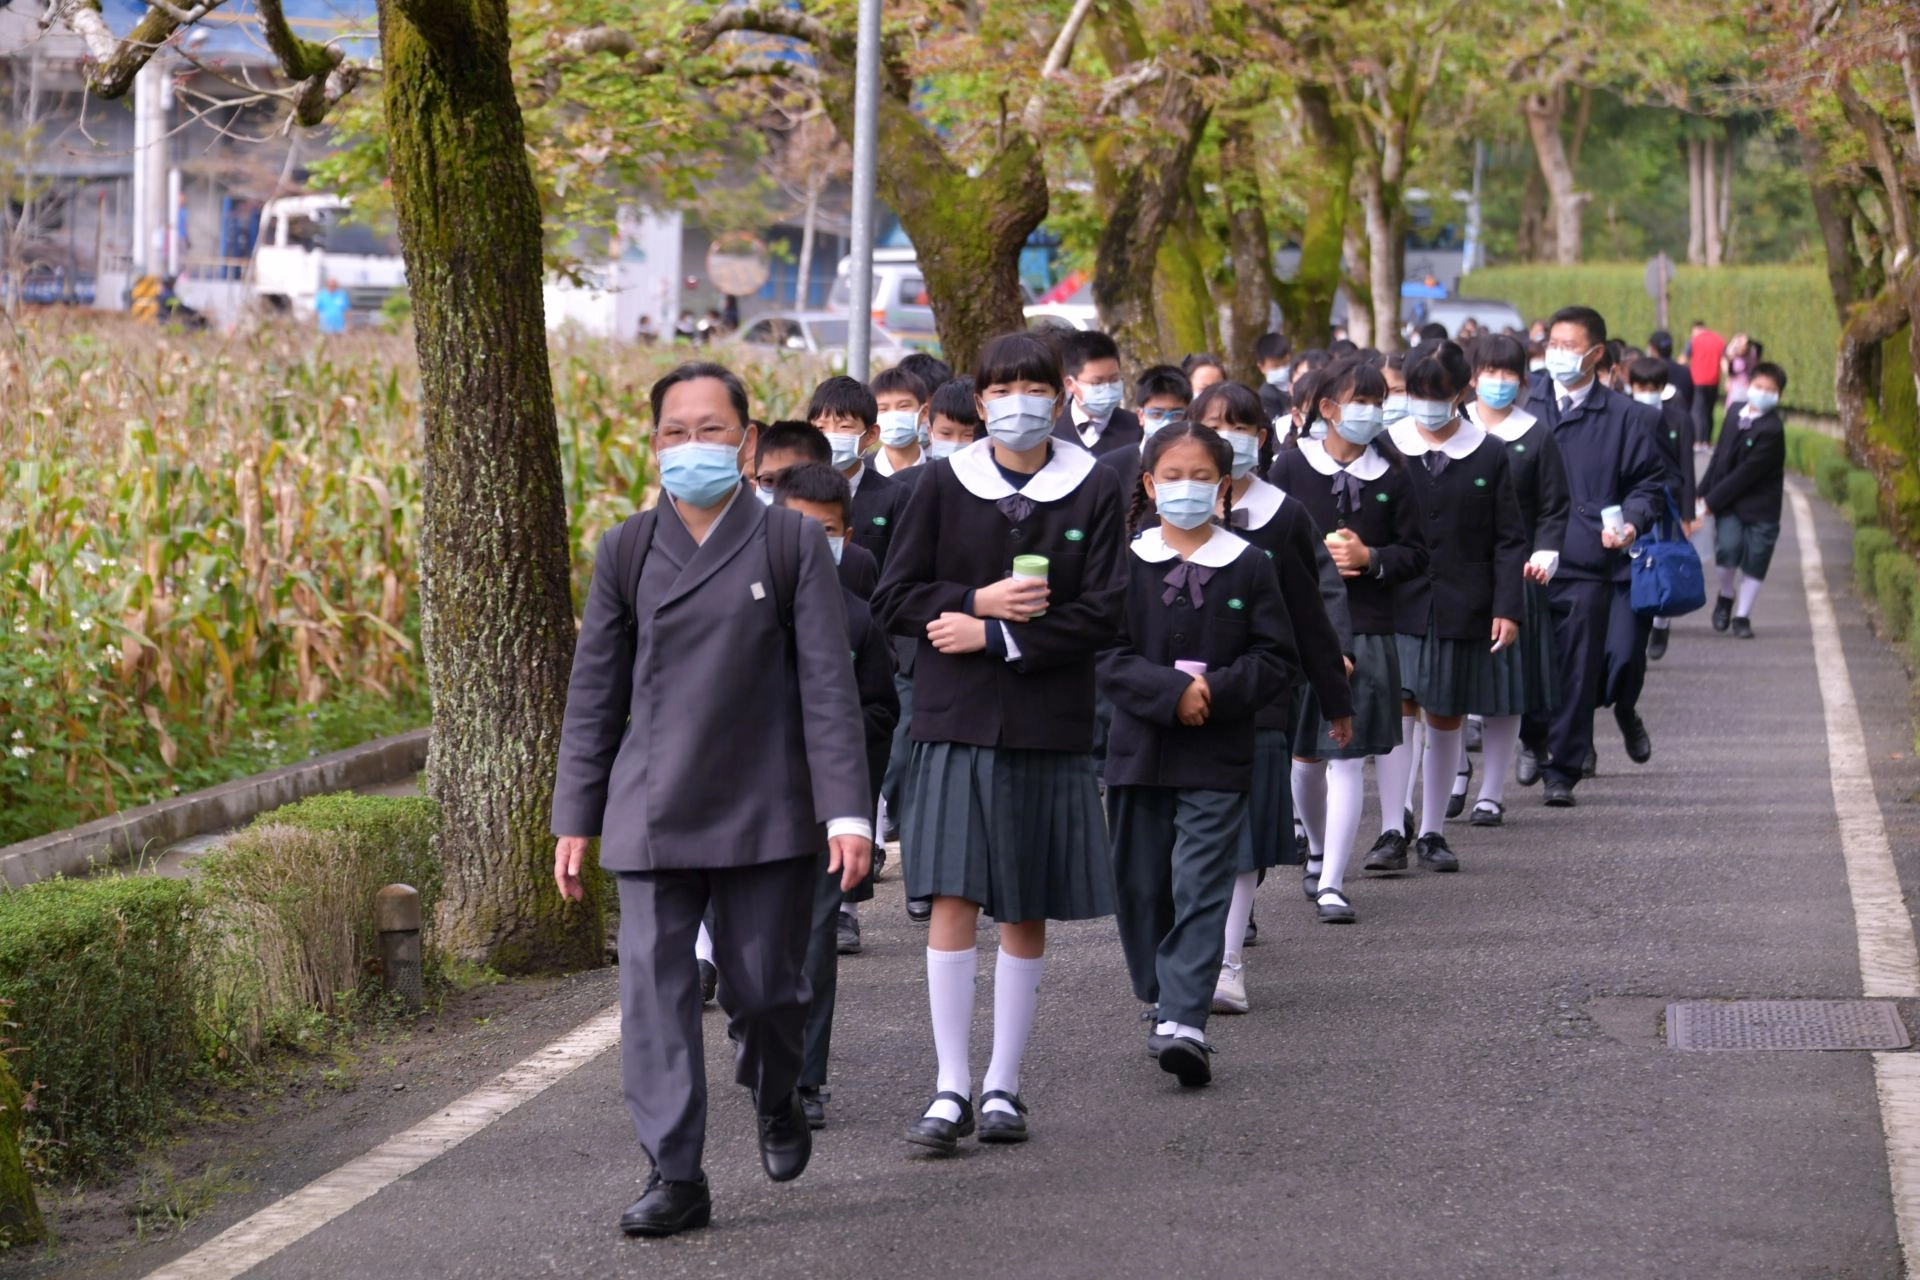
(1416,755)
(1749,592)
(1661,622)
(1443,761)
(1392,771)
(1310,802)
(1016,997)
(950,977)
(1499,745)
(1239,912)
(1346,796)
(703,944)
(1726,577)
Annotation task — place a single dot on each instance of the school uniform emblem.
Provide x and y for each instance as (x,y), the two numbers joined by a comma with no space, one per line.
(1075,535)
(1479,482)
(1379,497)
(1236,603)
(880,520)
(1519,448)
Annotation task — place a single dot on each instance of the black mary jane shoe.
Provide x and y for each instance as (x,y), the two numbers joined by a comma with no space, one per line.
(1333,907)
(998,1126)
(1457,801)
(1310,883)
(1188,1061)
(1743,629)
(1488,813)
(937,1134)
(668,1208)
(786,1140)
(1253,933)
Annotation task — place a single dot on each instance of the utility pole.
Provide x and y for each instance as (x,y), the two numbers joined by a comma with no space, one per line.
(866,122)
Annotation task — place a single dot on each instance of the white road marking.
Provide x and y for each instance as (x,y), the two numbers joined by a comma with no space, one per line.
(1889,962)
(253,1240)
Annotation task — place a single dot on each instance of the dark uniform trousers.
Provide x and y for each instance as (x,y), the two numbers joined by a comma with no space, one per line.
(1173,910)
(1591,620)
(760,943)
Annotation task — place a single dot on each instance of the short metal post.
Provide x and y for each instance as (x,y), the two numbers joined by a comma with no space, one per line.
(396,916)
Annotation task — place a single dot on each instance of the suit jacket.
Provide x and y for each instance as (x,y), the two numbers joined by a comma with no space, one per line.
(1612,460)
(877,504)
(859,571)
(1674,435)
(1680,378)
(873,676)
(1748,473)
(1122,430)
(709,736)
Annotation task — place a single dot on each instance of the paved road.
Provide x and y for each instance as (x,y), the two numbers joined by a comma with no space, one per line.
(1471,1082)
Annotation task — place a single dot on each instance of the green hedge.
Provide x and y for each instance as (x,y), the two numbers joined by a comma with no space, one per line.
(1870,543)
(1894,578)
(1788,308)
(105,991)
(1806,449)
(1862,504)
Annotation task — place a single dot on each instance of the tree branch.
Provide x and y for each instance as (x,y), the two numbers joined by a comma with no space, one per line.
(320,72)
(116,61)
(1128,83)
(1057,58)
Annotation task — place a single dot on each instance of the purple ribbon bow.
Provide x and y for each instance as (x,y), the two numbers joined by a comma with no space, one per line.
(1239,518)
(1436,462)
(1346,492)
(1188,577)
(1016,507)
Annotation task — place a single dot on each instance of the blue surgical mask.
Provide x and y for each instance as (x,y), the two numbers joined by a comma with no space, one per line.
(1360,423)
(1394,409)
(1651,399)
(1563,366)
(838,546)
(1281,377)
(1318,431)
(699,473)
(1246,451)
(765,495)
(1101,399)
(938,449)
(846,448)
(1762,401)
(1430,414)
(1020,422)
(1496,393)
(899,428)
(1185,504)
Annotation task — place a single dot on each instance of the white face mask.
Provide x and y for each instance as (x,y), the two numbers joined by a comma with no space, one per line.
(899,428)
(938,449)
(1281,377)
(1393,408)
(846,448)
(1101,399)
(838,546)
(1649,398)
(1246,451)
(1020,422)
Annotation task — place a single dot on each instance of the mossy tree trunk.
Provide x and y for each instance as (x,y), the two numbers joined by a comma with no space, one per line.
(498,628)
(1250,304)
(1306,301)
(20,1221)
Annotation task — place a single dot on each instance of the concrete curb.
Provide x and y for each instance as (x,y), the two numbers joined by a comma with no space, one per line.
(124,837)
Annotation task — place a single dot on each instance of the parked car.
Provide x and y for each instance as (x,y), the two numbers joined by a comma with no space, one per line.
(821,333)
(1491,316)
(899,295)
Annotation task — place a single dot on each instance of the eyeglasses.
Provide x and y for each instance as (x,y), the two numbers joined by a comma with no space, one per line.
(1163,417)
(668,434)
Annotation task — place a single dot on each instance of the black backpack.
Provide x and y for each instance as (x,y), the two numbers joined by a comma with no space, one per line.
(636,540)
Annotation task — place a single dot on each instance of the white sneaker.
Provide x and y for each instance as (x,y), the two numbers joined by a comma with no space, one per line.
(1230,993)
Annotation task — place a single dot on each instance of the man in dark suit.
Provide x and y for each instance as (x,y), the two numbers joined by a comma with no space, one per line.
(1679,377)
(1608,444)
(1093,418)
(713,742)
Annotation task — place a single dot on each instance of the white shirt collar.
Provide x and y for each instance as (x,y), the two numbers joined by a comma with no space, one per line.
(1669,392)
(1369,466)
(1578,396)
(1516,424)
(1069,465)
(853,481)
(1465,439)
(1217,552)
(1261,502)
(884,465)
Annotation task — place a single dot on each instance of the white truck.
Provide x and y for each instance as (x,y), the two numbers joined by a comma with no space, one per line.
(306,241)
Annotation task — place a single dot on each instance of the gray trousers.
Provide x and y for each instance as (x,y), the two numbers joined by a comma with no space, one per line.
(760,925)
(823,977)
(1173,870)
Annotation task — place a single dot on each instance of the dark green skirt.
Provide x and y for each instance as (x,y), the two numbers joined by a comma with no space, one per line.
(1266,837)
(1376,706)
(1527,673)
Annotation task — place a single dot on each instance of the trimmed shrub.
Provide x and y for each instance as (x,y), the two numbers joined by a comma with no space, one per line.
(1862,498)
(1805,449)
(1870,542)
(1894,577)
(103,982)
(1830,478)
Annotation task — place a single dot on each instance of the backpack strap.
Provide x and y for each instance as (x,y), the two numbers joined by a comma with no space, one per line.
(783,553)
(630,560)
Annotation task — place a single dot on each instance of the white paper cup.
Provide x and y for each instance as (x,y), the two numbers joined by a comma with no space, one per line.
(1613,520)
(1191,667)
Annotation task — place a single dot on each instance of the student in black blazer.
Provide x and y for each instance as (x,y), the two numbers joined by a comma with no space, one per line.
(1093,417)
(1679,377)
(846,412)
(1742,492)
(1648,383)
(1273,353)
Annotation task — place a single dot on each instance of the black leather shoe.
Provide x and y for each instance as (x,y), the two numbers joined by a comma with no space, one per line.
(1333,907)
(1310,882)
(1457,800)
(1389,853)
(1559,795)
(1526,768)
(668,1208)
(1187,1061)
(1633,730)
(1743,628)
(998,1126)
(1592,768)
(919,910)
(1488,813)
(879,861)
(847,934)
(786,1140)
(1253,933)
(1657,644)
(815,1106)
(1722,612)
(940,1135)
(1434,853)
(709,981)
(1475,733)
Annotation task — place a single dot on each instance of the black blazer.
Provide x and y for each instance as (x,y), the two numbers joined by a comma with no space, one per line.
(873,676)
(1611,460)
(1123,430)
(1674,433)
(1680,377)
(1748,473)
(1477,542)
(877,506)
(1238,627)
(859,571)
(1387,520)
(1540,482)
(952,541)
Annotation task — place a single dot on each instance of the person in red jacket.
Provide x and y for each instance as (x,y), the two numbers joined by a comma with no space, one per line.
(1704,349)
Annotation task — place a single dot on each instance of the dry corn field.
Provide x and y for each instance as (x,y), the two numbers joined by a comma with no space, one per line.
(209,545)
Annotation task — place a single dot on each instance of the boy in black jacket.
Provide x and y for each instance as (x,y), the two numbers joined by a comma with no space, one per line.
(1742,493)
(1648,378)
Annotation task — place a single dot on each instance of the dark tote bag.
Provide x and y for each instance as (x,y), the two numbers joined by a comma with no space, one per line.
(1668,581)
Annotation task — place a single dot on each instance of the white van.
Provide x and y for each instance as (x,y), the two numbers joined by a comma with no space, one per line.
(899,295)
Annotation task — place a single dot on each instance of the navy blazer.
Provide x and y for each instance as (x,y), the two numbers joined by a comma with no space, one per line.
(1123,429)
(1748,473)
(1674,435)
(1476,538)
(665,719)
(859,571)
(873,676)
(1612,460)
(877,506)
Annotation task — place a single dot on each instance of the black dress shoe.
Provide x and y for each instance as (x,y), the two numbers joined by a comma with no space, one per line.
(847,934)
(1722,612)
(1743,628)
(1389,853)
(786,1140)
(1310,882)
(1434,853)
(1457,801)
(879,860)
(1488,813)
(1333,907)
(709,981)
(940,1135)
(1634,731)
(1657,644)
(814,1105)
(1559,795)
(919,910)
(668,1208)
(1526,768)
(1475,733)
(998,1126)
(1187,1061)
(1253,933)
(1592,767)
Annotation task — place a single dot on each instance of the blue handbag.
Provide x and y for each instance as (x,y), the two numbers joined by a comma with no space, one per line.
(1668,580)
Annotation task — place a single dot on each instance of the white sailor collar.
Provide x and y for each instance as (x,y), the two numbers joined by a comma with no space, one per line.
(1516,424)
(1069,465)
(1408,440)
(1217,552)
(1261,502)
(1369,466)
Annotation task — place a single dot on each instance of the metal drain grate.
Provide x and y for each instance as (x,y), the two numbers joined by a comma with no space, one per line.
(1785,1024)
